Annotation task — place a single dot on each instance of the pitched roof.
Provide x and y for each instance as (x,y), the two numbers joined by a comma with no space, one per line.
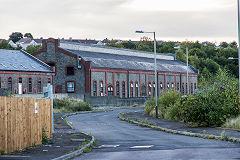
(25,40)
(15,60)
(114,61)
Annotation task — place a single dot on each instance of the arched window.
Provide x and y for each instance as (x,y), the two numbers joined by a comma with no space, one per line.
(94,88)
(183,88)
(143,90)
(172,86)
(123,90)
(117,89)
(10,84)
(191,88)
(168,85)
(187,89)
(153,89)
(39,85)
(178,86)
(110,90)
(136,89)
(30,85)
(49,81)
(161,86)
(149,89)
(101,88)
(131,89)
(20,86)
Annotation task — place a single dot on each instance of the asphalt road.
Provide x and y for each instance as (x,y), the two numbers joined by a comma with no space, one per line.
(119,140)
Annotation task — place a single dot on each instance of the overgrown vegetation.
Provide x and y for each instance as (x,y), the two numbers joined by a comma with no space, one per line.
(70,105)
(232,123)
(44,136)
(211,105)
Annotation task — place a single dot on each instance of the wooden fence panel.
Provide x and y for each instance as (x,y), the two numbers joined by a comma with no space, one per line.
(20,126)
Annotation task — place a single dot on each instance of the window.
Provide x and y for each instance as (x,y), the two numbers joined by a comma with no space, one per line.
(195,86)
(123,90)
(110,90)
(136,89)
(101,88)
(70,70)
(183,88)
(10,84)
(39,85)
(172,85)
(30,89)
(49,81)
(161,85)
(0,82)
(168,85)
(187,89)
(131,89)
(149,89)
(52,65)
(94,88)
(191,88)
(178,86)
(153,89)
(70,87)
(143,89)
(117,89)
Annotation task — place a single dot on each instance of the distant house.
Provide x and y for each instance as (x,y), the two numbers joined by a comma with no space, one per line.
(21,73)
(38,41)
(25,42)
(10,42)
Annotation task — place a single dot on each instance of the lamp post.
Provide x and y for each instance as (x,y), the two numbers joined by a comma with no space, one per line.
(155,67)
(187,67)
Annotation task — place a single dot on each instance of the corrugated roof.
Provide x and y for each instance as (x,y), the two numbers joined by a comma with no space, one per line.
(105,60)
(113,50)
(15,60)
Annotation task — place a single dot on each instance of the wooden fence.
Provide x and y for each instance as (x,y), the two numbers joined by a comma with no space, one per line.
(21,122)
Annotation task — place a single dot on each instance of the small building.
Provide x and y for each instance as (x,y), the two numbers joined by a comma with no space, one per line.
(21,73)
(98,71)
(25,42)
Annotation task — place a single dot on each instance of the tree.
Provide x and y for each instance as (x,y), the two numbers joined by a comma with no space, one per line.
(4,45)
(198,52)
(181,56)
(166,47)
(28,35)
(32,48)
(15,36)
(129,44)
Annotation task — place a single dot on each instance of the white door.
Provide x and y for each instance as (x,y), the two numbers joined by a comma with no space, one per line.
(19,88)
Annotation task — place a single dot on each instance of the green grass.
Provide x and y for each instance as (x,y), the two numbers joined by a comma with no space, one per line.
(232,123)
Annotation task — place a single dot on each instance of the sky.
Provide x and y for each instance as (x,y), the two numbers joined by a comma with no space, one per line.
(172,20)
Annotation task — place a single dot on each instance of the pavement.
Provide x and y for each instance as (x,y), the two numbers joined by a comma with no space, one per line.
(120,140)
(64,140)
(181,126)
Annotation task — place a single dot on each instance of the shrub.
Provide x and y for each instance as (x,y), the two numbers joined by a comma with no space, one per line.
(71,105)
(232,123)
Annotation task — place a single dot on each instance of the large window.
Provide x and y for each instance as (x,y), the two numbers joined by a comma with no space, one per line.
(161,86)
(39,85)
(168,85)
(123,90)
(30,85)
(195,86)
(149,89)
(183,88)
(49,81)
(131,89)
(178,86)
(110,90)
(94,88)
(117,89)
(187,89)
(143,90)
(69,70)
(10,84)
(136,89)
(70,87)
(101,88)
(191,88)
(0,82)
(172,86)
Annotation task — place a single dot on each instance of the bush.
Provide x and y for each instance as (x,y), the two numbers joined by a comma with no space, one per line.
(71,105)
(232,123)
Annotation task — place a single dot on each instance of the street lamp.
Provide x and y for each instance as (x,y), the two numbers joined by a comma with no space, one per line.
(155,67)
(187,67)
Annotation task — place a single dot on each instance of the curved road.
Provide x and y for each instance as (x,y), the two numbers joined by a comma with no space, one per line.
(119,140)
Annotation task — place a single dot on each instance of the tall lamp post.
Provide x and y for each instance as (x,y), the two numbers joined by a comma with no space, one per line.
(239,47)
(155,68)
(187,67)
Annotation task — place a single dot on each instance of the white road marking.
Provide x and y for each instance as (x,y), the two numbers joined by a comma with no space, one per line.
(109,146)
(134,147)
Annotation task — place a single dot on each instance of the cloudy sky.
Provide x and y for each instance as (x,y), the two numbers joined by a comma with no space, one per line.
(212,20)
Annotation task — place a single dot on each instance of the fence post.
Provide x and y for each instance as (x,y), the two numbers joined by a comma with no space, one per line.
(48,93)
